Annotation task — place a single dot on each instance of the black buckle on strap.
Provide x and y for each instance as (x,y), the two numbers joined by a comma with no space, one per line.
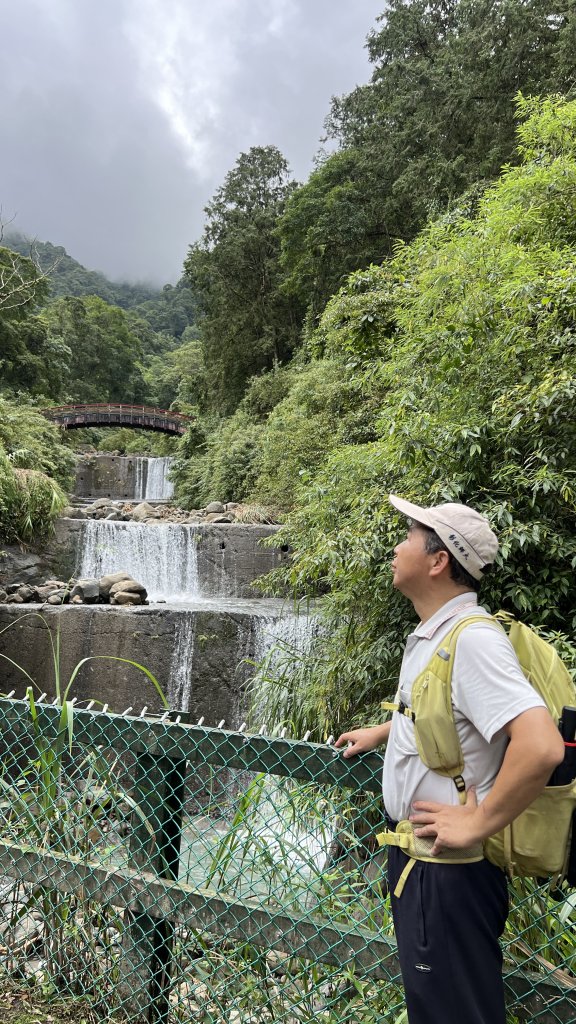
(403,708)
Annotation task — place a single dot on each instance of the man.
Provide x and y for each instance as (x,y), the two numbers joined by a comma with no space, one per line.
(449,916)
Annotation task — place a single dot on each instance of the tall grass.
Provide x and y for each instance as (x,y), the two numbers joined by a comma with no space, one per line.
(29,503)
(59,798)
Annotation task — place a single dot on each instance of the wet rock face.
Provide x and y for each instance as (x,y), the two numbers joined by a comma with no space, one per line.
(213,663)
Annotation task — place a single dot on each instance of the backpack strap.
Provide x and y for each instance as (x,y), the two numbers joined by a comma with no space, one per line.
(432,712)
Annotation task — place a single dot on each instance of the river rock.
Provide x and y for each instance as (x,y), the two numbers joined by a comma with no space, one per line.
(73,512)
(216,517)
(106,582)
(59,597)
(144,511)
(87,590)
(214,506)
(128,592)
(100,503)
(43,592)
(126,597)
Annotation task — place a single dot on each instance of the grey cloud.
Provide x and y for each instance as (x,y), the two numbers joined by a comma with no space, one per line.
(91,155)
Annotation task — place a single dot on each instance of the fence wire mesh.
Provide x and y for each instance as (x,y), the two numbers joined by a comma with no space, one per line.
(163,872)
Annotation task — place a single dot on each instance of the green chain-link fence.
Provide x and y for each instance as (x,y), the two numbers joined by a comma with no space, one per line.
(172,873)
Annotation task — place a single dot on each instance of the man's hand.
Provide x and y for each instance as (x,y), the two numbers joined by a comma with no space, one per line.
(454,827)
(361,740)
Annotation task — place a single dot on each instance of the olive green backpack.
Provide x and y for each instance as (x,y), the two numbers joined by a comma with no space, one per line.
(537,843)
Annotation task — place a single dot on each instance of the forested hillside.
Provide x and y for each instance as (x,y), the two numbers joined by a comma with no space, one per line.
(68,277)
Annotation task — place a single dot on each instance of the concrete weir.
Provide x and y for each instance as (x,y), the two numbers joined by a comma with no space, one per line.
(204,628)
(198,653)
(228,557)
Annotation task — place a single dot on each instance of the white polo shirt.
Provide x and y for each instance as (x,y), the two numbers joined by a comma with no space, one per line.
(488,691)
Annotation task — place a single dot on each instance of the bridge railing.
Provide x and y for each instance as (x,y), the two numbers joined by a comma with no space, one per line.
(113,406)
(118,414)
(173,873)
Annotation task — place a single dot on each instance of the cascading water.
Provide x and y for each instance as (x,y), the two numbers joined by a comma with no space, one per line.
(163,557)
(140,474)
(277,642)
(151,481)
(180,682)
(158,486)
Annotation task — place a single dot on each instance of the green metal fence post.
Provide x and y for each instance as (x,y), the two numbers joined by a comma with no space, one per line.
(155,847)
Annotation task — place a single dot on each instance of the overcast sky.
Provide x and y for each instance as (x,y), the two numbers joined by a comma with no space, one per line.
(120,118)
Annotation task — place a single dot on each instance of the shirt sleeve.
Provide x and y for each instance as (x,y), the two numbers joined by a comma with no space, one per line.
(488,685)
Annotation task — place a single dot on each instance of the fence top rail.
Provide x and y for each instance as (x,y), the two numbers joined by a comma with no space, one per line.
(175,741)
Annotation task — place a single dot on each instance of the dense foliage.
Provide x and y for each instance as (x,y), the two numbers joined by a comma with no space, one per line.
(436,118)
(470,337)
(34,467)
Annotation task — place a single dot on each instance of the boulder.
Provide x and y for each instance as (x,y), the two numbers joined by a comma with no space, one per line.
(216,517)
(106,582)
(127,597)
(42,593)
(87,590)
(214,506)
(144,511)
(127,584)
(73,512)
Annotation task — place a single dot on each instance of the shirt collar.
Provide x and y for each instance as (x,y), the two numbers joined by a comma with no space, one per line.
(447,611)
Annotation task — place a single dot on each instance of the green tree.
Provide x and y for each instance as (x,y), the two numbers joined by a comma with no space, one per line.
(435,119)
(246,322)
(104,352)
(30,361)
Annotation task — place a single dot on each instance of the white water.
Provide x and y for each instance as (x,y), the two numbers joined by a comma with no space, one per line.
(180,682)
(163,556)
(158,486)
(282,635)
(151,481)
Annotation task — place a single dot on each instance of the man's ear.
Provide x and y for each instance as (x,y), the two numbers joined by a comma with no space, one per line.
(440,562)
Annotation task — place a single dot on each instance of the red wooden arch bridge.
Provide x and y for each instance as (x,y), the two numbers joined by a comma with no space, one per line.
(118,414)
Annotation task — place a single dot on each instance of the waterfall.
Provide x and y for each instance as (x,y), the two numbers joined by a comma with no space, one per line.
(158,486)
(140,475)
(180,682)
(163,556)
(151,481)
(280,635)
(278,642)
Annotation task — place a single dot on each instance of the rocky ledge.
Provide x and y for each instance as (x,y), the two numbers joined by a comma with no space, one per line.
(117,588)
(144,512)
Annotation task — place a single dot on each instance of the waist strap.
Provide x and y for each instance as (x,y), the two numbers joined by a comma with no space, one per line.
(420,848)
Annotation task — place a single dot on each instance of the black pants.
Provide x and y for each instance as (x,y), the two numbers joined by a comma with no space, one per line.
(447,923)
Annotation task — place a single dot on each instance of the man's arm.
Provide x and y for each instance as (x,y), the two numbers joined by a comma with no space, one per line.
(534,750)
(361,740)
